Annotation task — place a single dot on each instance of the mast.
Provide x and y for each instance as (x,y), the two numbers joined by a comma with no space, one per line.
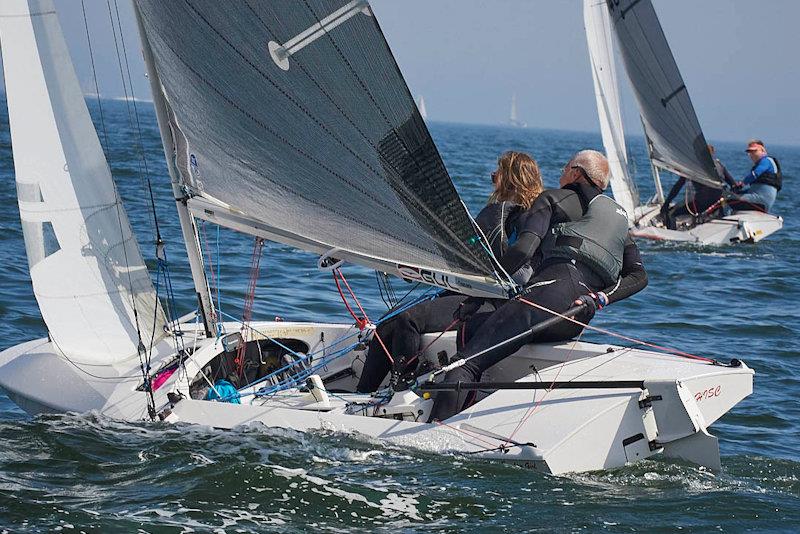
(187,222)
(659,196)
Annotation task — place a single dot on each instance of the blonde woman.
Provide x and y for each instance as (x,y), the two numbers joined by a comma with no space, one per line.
(517,182)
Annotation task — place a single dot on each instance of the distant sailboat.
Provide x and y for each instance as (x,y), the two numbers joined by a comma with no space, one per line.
(513,119)
(675,140)
(421,105)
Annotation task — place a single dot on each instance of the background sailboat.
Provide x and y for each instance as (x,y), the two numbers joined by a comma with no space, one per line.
(423,111)
(674,138)
(513,117)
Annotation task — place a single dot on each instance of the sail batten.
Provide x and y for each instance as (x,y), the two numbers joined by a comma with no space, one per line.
(332,149)
(670,122)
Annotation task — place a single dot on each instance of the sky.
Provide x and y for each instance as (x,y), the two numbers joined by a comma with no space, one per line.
(467,57)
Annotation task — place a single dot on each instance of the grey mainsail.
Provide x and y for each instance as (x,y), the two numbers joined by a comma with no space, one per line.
(295,115)
(676,141)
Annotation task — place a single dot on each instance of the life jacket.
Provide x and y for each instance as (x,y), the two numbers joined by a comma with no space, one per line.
(775,179)
(596,240)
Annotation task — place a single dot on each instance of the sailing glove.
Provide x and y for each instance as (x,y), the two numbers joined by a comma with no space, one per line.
(467,308)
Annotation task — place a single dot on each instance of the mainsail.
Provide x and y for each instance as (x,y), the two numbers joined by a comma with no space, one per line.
(88,274)
(670,122)
(295,116)
(606,92)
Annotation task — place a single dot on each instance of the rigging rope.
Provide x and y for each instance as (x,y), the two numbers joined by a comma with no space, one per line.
(143,352)
(144,178)
(325,350)
(249,299)
(363,321)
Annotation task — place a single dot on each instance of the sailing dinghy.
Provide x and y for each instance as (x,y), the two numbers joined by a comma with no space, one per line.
(675,141)
(292,123)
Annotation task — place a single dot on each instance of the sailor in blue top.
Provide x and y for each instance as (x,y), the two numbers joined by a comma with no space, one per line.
(760,186)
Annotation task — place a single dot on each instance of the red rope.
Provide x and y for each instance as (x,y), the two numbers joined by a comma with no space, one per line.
(249,299)
(383,346)
(361,322)
(668,350)
(352,294)
(718,204)
(756,207)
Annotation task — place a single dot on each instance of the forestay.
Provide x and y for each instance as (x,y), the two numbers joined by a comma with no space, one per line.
(87,272)
(670,122)
(295,116)
(606,92)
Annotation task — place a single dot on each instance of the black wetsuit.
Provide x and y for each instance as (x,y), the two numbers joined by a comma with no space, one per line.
(704,197)
(555,285)
(402,334)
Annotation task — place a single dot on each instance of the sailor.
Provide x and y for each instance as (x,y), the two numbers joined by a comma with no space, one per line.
(587,257)
(760,187)
(517,182)
(722,171)
(699,197)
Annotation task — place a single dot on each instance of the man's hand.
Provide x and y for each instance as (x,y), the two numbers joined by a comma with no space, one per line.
(738,187)
(467,308)
(593,301)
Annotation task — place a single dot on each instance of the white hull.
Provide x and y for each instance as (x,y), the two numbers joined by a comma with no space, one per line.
(563,430)
(741,227)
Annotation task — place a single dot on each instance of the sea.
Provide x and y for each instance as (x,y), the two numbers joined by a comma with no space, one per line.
(87,473)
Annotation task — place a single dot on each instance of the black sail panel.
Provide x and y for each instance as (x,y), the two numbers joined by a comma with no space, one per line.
(669,119)
(295,113)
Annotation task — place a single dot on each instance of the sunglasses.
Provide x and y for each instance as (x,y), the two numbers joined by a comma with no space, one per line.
(494,177)
(586,176)
(751,150)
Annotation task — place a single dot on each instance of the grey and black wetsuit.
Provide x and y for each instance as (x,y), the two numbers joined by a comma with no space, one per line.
(402,334)
(556,284)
